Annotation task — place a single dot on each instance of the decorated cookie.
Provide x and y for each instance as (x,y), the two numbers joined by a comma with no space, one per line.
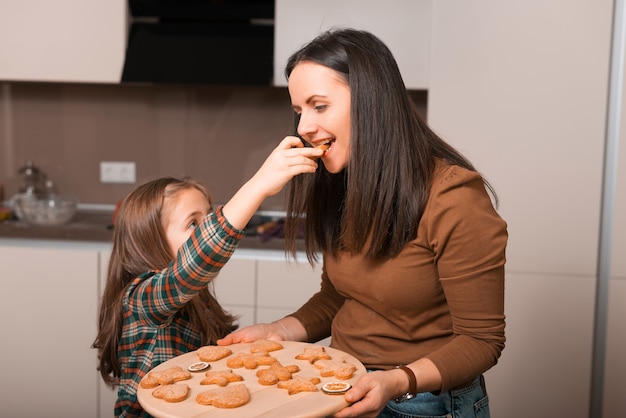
(213,353)
(220,377)
(300,384)
(231,396)
(276,372)
(312,354)
(250,361)
(165,377)
(340,369)
(176,392)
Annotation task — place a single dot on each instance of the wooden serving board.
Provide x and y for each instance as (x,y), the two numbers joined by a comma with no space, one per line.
(265,401)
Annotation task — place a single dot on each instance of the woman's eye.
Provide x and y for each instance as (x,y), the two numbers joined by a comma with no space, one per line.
(320,108)
(192,225)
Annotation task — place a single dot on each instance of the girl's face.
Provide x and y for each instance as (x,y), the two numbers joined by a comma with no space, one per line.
(322,99)
(182,213)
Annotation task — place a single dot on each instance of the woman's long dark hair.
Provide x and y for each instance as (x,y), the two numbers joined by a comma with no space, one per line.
(376,203)
(139,246)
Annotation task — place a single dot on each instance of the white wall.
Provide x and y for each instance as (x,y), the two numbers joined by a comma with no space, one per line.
(521,89)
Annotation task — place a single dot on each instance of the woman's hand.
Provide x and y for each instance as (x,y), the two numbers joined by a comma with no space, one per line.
(249,334)
(369,395)
(288,328)
(373,390)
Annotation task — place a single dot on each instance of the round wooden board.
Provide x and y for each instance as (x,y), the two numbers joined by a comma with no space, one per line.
(265,401)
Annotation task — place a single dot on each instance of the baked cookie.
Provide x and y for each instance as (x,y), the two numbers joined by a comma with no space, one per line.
(165,377)
(300,384)
(340,369)
(267,346)
(276,372)
(220,377)
(213,352)
(249,360)
(312,354)
(230,396)
(176,392)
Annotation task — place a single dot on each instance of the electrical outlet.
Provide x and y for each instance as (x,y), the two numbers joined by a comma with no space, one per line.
(117,172)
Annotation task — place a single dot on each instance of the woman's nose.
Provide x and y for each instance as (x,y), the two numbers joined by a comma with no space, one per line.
(306,126)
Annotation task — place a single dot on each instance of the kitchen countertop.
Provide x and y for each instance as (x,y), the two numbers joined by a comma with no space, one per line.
(97,226)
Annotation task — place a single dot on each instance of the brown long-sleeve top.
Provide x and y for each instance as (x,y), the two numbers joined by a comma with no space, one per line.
(441,298)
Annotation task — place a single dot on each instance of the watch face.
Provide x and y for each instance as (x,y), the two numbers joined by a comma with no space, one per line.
(405,397)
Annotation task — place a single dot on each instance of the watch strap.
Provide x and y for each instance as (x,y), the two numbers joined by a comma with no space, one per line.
(412,381)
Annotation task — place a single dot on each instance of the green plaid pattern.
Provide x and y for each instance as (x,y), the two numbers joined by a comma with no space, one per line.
(154,329)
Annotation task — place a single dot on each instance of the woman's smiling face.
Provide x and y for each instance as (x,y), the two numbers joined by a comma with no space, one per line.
(322,99)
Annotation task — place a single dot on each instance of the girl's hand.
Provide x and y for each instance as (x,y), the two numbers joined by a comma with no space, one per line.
(288,159)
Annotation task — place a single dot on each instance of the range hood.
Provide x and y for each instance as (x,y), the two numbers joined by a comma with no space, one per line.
(200,42)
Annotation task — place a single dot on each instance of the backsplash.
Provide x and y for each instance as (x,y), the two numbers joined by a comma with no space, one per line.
(217,134)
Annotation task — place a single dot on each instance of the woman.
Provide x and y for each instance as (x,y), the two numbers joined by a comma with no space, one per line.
(413,250)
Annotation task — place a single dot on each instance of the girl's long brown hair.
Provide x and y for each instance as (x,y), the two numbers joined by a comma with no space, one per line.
(139,245)
(376,203)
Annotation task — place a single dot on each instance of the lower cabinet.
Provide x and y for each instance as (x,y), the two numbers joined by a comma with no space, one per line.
(50,298)
(284,286)
(262,286)
(106,395)
(235,289)
(48,306)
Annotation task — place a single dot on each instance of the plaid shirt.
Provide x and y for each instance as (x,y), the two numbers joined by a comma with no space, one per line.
(154,329)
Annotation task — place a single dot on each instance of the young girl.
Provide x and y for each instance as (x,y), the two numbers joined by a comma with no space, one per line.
(168,246)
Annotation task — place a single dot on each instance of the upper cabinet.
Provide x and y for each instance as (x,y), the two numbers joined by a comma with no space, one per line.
(404,25)
(86,41)
(62,40)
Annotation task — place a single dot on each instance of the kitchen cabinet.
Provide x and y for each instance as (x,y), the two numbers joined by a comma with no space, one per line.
(63,40)
(235,288)
(106,395)
(262,286)
(50,300)
(284,286)
(404,25)
(48,305)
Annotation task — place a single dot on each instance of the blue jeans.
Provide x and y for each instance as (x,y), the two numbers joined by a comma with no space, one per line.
(468,402)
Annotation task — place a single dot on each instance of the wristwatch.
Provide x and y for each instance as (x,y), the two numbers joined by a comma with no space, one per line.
(412,385)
